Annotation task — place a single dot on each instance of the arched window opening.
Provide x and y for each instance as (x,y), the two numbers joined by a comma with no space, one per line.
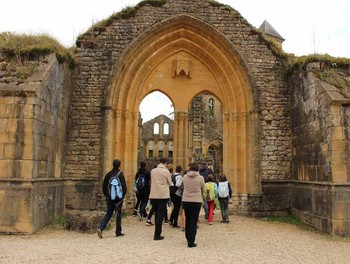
(166,129)
(170,149)
(160,148)
(150,149)
(156,129)
(211,107)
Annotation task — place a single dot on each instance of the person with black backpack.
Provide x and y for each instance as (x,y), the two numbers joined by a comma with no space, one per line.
(114,194)
(142,185)
(175,196)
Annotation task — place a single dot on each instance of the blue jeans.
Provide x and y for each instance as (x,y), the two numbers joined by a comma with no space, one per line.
(111,207)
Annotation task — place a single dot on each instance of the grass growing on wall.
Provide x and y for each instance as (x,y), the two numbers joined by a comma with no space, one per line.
(325,59)
(23,47)
(21,53)
(125,13)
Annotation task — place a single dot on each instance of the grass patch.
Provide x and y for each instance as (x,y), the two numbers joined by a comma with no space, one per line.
(289,220)
(326,60)
(22,53)
(23,47)
(125,13)
(58,224)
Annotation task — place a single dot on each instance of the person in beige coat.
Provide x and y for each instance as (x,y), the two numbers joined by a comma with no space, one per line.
(191,201)
(159,195)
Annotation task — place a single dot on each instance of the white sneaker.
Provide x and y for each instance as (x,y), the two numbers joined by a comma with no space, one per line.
(99,233)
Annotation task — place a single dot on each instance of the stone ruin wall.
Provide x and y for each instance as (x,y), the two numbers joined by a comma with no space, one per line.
(33,115)
(320,193)
(97,54)
(40,182)
(205,129)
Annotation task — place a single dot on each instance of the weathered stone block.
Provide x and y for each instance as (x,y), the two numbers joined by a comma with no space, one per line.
(340,173)
(83,221)
(341,227)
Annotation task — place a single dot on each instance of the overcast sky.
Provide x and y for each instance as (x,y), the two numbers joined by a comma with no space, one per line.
(309,26)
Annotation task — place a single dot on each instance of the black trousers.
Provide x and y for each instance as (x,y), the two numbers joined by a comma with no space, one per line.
(160,210)
(143,196)
(192,213)
(176,210)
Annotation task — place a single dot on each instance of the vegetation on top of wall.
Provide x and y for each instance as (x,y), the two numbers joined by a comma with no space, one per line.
(337,77)
(216,3)
(272,45)
(19,54)
(326,61)
(158,3)
(125,13)
(23,47)
(332,70)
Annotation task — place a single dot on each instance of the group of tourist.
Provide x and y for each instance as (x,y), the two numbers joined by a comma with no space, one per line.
(163,187)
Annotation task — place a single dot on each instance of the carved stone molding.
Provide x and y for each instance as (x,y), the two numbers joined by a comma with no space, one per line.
(135,115)
(236,116)
(181,116)
(242,116)
(181,66)
(226,117)
(119,113)
(127,114)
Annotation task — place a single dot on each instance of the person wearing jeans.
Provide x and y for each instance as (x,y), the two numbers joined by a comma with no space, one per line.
(113,205)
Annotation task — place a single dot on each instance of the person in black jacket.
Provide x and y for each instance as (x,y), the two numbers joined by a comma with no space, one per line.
(142,193)
(113,205)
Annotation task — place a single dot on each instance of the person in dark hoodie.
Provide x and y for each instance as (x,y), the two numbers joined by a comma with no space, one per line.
(142,192)
(113,205)
(191,201)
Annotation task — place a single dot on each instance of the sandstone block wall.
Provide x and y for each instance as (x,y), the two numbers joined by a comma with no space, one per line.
(32,147)
(321,166)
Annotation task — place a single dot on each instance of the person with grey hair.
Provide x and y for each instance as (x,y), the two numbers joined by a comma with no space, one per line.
(160,195)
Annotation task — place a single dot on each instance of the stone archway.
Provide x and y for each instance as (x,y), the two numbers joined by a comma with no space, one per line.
(181,57)
(215,149)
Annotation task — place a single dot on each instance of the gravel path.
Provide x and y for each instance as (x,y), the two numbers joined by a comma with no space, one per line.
(243,240)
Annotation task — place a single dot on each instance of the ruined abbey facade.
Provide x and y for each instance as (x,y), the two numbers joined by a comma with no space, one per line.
(285,131)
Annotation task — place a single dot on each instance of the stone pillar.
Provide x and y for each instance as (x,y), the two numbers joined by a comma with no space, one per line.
(126,133)
(129,157)
(236,159)
(180,139)
(108,140)
(241,119)
(119,134)
(229,150)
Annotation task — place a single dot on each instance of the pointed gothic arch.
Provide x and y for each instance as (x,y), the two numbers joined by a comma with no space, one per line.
(205,59)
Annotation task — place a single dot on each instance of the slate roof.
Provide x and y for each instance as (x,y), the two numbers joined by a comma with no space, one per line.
(269,30)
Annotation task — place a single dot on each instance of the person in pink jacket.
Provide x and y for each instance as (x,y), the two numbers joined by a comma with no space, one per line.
(191,201)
